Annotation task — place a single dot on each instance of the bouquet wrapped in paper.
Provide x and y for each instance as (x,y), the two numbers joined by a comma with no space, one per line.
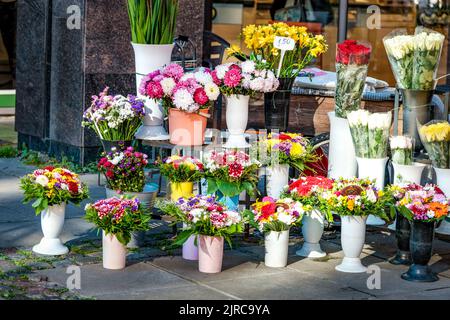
(402,150)
(414,58)
(370,133)
(352,61)
(435,136)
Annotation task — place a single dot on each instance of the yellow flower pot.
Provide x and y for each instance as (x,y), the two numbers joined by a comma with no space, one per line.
(181,189)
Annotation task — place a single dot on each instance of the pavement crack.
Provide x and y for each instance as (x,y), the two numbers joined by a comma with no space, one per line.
(361,291)
(435,289)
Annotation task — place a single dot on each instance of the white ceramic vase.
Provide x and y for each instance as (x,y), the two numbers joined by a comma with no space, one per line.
(189,249)
(149,58)
(52,222)
(373,169)
(353,236)
(277,179)
(114,252)
(312,230)
(237,118)
(342,157)
(443,181)
(276,246)
(407,173)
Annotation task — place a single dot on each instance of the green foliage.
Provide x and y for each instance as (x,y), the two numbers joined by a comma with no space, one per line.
(171,209)
(181,174)
(122,228)
(152,21)
(8,152)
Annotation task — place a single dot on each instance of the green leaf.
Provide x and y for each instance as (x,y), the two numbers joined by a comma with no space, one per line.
(212,186)
(228,189)
(37,203)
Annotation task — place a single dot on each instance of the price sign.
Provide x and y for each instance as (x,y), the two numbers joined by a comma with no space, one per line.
(284,43)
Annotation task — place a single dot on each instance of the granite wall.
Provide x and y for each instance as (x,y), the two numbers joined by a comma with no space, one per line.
(59,69)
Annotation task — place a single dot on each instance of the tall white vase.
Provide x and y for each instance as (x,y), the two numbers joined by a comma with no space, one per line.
(353,236)
(341,158)
(373,169)
(407,174)
(312,230)
(276,245)
(149,58)
(277,179)
(237,118)
(52,222)
(443,181)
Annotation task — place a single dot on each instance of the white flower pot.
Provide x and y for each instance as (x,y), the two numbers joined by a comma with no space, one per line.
(190,249)
(276,245)
(407,173)
(52,222)
(373,169)
(342,157)
(237,118)
(312,230)
(114,252)
(353,235)
(443,181)
(148,58)
(277,179)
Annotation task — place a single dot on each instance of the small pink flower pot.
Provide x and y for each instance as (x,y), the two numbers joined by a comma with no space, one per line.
(210,254)
(114,252)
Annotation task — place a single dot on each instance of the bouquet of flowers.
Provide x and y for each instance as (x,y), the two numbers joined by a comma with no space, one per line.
(124,170)
(402,150)
(119,217)
(370,133)
(231,172)
(435,137)
(52,186)
(427,203)
(285,148)
(188,92)
(114,118)
(308,190)
(245,78)
(260,40)
(414,59)
(205,216)
(276,215)
(352,62)
(357,197)
(181,169)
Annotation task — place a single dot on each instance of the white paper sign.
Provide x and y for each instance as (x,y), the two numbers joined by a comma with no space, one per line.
(284,43)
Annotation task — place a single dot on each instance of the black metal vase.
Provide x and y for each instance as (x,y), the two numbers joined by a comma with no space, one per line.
(119,145)
(276,105)
(421,246)
(402,234)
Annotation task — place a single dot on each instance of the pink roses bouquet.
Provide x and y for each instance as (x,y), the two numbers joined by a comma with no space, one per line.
(189,92)
(245,78)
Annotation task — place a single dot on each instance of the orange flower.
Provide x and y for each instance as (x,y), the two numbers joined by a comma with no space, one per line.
(439,209)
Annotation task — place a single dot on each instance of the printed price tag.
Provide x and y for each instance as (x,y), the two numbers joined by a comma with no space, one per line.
(284,43)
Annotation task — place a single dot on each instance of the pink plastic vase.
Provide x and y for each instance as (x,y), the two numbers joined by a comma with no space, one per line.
(114,252)
(210,254)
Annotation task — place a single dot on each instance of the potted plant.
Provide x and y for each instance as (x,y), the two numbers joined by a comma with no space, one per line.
(275,218)
(153,25)
(228,174)
(118,218)
(435,137)
(370,135)
(51,189)
(405,170)
(186,98)
(115,119)
(279,152)
(354,199)
(212,223)
(124,172)
(287,66)
(423,207)
(238,82)
(307,191)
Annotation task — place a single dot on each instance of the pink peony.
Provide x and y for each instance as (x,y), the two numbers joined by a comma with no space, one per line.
(232,78)
(200,96)
(174,71)
(154,90)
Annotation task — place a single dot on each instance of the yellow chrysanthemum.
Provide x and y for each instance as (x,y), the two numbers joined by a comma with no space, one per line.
(437,132)
(297,150)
